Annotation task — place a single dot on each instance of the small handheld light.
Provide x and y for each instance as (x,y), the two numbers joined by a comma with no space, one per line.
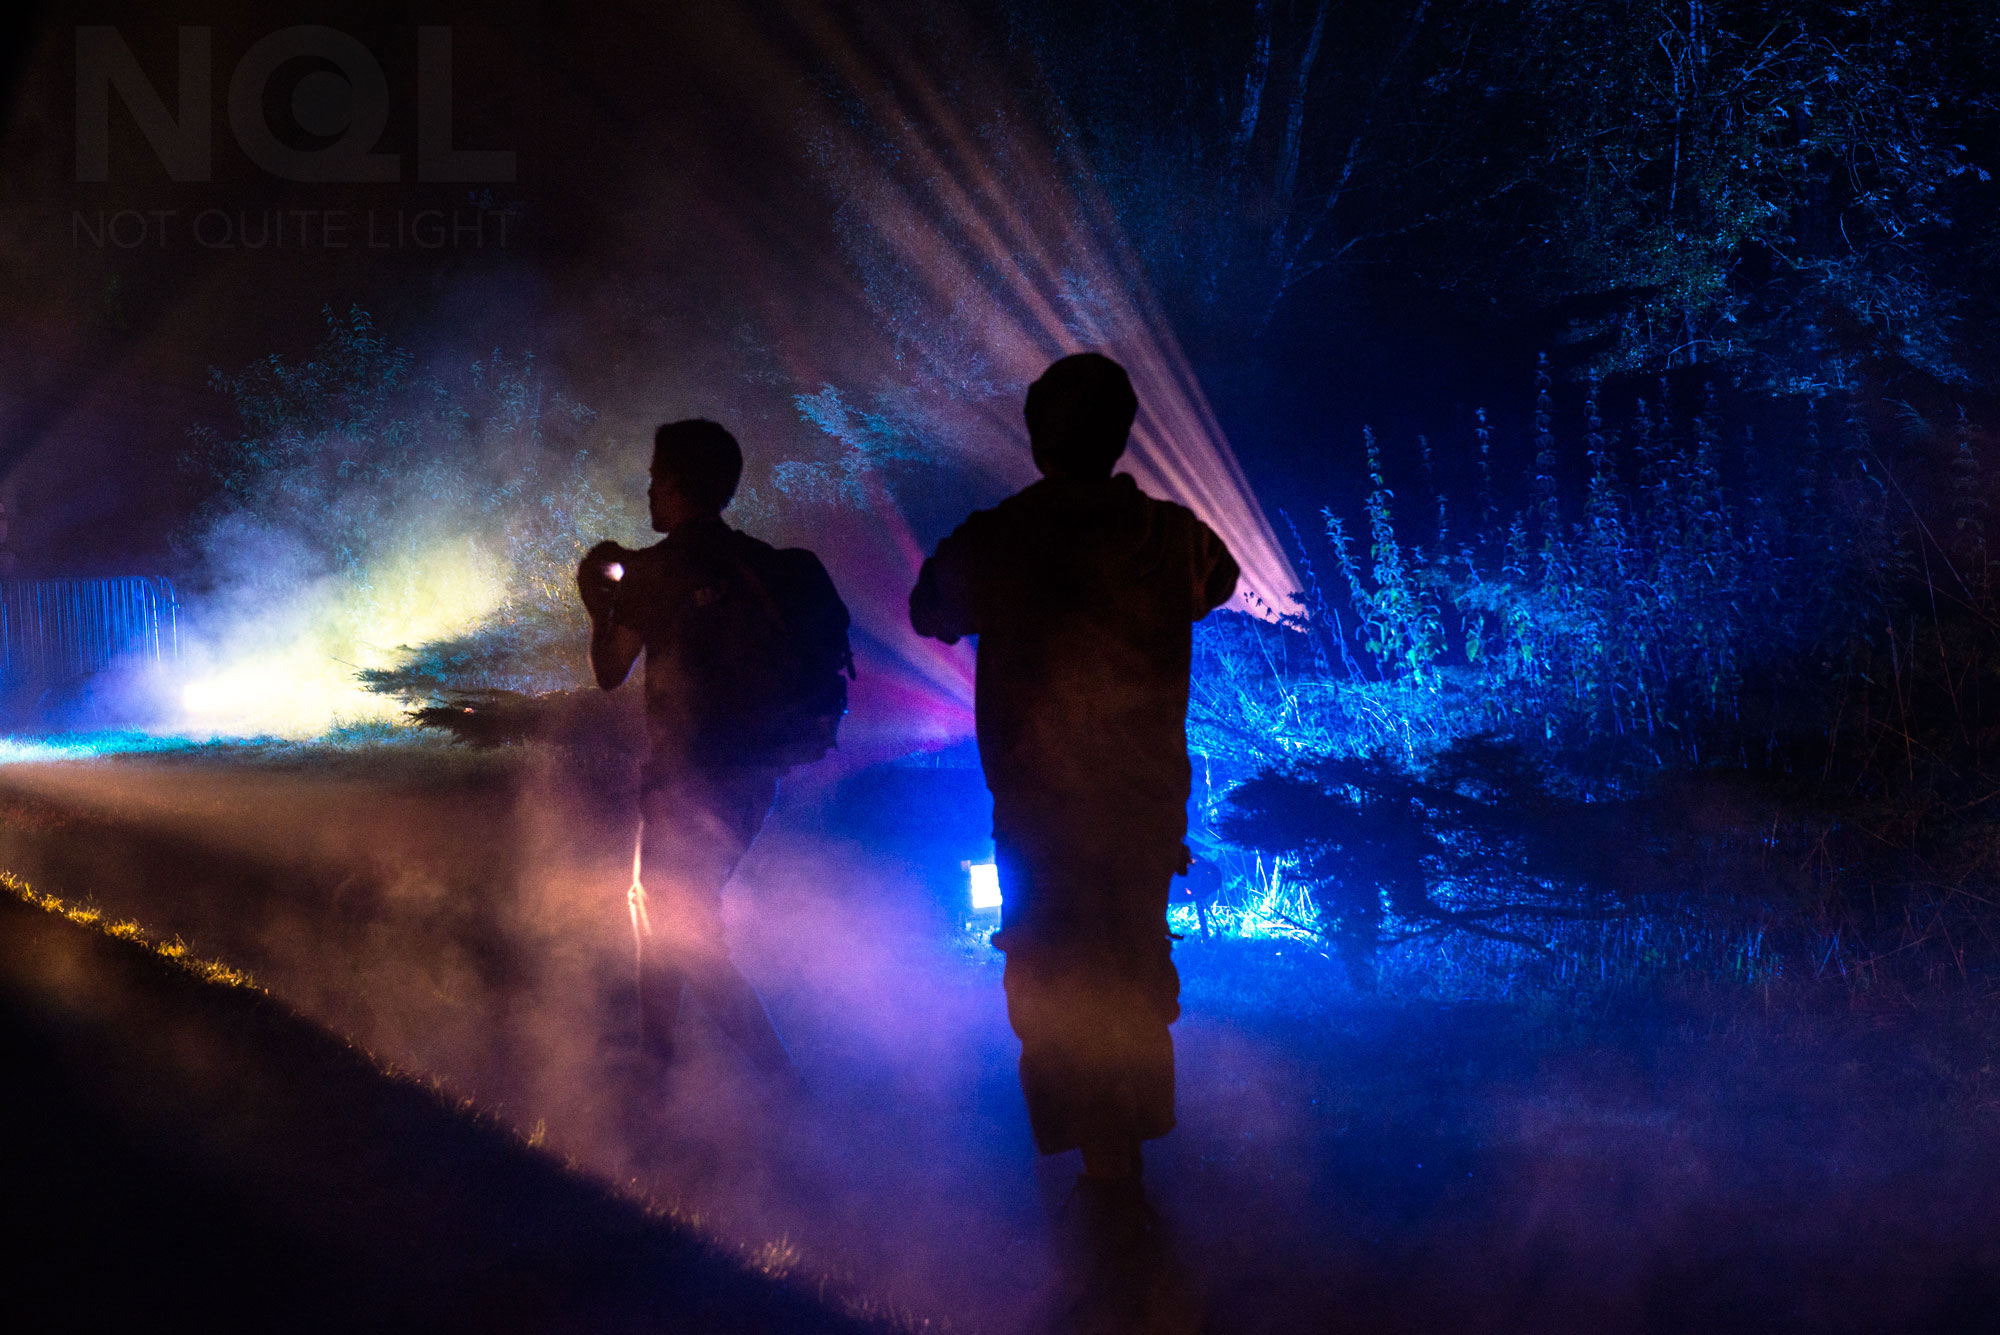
(983,881)
(613,571)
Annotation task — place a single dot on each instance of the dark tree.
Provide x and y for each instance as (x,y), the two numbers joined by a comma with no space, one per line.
(1787,187)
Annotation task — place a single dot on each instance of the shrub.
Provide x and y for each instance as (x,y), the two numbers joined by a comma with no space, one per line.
(1710,666)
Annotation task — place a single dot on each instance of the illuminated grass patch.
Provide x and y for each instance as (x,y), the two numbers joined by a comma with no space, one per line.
(86,746)
(174,951)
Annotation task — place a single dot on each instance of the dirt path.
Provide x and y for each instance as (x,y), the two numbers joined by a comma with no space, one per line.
(1339,1166)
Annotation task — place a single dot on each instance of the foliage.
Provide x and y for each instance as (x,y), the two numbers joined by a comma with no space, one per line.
(1743,707)
(361,455)
(1787,187)
(1290,140)
(1477,843)
(890,455)
(1658,628)
(1784,182)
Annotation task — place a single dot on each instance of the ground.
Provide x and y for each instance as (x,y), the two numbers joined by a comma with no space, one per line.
(186,1153)
(1717,1162)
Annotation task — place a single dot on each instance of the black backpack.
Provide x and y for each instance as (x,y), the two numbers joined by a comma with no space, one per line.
(792,664)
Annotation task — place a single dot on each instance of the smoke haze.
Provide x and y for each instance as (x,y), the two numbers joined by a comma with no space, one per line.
(788,228)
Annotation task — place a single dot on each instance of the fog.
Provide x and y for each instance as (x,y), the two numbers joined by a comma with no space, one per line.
(1341,1162)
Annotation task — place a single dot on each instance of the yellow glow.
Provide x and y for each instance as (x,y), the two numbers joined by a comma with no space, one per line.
(175,951)
(290,669)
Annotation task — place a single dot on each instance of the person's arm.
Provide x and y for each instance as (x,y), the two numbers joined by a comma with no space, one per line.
(613,647)
(1216,571)
(613,650)
(941,606)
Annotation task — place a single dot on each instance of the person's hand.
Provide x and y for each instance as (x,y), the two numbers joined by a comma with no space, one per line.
(598,575)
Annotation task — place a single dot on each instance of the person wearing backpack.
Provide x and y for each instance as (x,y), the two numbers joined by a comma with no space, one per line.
(1083,592)
(747,664)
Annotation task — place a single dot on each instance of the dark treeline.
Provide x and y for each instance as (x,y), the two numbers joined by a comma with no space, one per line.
(1784,191)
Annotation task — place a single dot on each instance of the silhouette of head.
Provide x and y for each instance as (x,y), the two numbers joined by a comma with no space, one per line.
(696,466)
(1079,414)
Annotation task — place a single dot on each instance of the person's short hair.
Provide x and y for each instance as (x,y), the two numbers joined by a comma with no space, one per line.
(701,458)
(1079,414)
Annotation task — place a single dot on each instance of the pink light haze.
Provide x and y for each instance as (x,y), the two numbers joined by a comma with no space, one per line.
(1003,230)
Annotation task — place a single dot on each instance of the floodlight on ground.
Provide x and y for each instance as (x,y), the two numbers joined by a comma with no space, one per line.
(983,881)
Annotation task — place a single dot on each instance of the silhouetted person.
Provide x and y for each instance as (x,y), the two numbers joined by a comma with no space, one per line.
(1083,592)
(716,612)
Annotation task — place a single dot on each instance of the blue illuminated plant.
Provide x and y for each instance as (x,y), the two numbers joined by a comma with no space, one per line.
(1672,624)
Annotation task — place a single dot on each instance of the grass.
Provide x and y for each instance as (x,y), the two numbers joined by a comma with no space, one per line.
(776,1260)
(203,1152)
(175,952)
(392,752)
(88,745)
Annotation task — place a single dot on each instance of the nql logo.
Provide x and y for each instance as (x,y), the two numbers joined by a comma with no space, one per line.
(350,107)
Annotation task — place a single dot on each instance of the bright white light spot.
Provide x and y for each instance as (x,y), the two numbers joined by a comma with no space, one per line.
(614,571)
(985,884)
(260,665)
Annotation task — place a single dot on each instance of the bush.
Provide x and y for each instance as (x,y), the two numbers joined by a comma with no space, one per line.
(1764,689)
(360,475)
